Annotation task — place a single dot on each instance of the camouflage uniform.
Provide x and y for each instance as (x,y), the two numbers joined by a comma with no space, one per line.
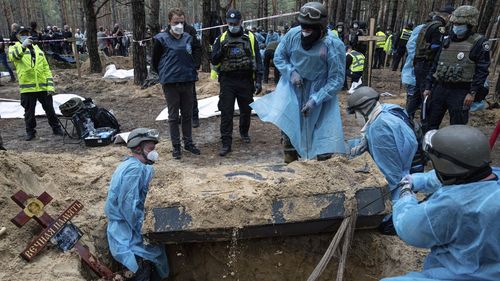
(460,68)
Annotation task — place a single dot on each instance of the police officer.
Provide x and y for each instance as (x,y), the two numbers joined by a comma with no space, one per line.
(268,62)
(355,64)
(378,61)
(339,31)
(429,41)
(400,40)
(236,55)
(35,82)
(459,71)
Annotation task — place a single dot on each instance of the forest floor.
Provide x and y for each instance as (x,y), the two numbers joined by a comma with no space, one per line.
(76,172)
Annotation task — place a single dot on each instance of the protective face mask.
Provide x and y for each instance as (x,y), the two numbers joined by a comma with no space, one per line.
(339,29)
(23,38)
(178,28)
(460,30)
(306,33)
(355,26)
(234,29)
(153,155)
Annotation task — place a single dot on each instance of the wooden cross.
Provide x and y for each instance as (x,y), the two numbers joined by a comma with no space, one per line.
(371,38)
(34,208)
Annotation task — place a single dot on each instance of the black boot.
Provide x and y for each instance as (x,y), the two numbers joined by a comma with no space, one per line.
(29,136)
(224,150)
(58,131)
(176,152)
(245,138)
(192,148)
(2,148)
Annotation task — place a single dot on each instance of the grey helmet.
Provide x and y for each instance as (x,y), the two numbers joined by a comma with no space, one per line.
(465,15)
(313,13)
(458,153)
(142,134)
(363,97)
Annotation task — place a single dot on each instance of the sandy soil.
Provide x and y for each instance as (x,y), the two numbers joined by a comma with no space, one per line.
(70,172)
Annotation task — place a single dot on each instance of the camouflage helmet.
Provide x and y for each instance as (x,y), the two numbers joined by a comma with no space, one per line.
(465,15)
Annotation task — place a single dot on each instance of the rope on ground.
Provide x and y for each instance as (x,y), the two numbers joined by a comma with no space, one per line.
(345,231)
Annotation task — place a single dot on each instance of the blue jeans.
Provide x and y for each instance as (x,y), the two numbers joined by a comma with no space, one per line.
(3,59)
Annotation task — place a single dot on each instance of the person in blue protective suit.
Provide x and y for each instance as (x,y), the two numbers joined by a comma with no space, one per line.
(125,209)
(459,219)
(311,61)
(387,135)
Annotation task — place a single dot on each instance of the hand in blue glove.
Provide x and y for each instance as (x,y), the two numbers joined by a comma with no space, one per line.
(360,148)
(310,104)
(296,79)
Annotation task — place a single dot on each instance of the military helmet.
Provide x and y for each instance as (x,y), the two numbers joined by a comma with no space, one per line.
(71,107)
(457,151)
(361,98)
(142,134)
(465,15)
(313,13)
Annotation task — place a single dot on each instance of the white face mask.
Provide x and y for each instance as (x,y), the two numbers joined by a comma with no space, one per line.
(178,29)
(355,26)
(306,33)
(153,155)
(22,38)
(234,29)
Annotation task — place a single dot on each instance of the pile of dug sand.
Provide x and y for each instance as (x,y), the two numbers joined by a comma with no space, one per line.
(239,195)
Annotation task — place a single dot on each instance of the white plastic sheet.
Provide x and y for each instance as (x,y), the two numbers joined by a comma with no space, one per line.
(113,73)
(207,108)
(13,109)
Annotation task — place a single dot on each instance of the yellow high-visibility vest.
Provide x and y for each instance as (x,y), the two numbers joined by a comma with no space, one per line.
(358,61)
(380,42)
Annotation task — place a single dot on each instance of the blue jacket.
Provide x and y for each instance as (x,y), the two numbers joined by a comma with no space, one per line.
(322,69)
(125,211)
(177,63)
(408,73)
(459,223)
(272,37)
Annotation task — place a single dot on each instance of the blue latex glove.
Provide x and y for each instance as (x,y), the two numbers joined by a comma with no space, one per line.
(359,149)
(258,88)
(310,104)
(296,79)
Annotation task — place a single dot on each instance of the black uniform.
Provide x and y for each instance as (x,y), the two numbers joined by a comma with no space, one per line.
(399,44)
(430,44)
(449,88)
(237,85)
(268,62)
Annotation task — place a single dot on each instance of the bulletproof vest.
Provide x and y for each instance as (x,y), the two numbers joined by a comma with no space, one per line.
(454,64)
(238,55)
(423,48)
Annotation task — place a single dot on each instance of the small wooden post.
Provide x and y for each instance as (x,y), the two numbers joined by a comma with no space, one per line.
(370,51)
(77,57)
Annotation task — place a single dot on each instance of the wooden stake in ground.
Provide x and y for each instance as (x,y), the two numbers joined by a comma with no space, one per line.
(371,41)
(77,57)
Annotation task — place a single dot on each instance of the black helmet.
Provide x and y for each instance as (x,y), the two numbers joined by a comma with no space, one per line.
(313,13)
(363,97)
(71,107)
(142,134)
(457,152)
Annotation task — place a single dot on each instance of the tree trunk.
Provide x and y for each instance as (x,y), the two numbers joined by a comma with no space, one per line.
(139,53)
(154,16)
(206,15)
(394,15)
(348,11)
(91,27)
(485,17)
(340,14)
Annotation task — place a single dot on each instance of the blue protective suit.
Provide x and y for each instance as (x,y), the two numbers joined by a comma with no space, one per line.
(459,223)
(272,37)
(125,211)
(408,72)
(392,145)
(323,70)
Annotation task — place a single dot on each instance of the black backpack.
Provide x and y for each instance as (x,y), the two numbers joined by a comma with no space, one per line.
(92,117)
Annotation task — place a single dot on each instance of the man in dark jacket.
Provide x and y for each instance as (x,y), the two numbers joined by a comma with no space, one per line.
(236,55)
(173,59)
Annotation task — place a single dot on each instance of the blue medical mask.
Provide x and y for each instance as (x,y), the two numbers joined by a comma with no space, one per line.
(460,30)
(234,29)
(22,38)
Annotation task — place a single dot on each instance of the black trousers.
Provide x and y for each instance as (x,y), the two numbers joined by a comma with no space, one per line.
(240,89)
(195,103)
(179,96)
(415,101)
(28,102)
(355,76)
(398,57)
(379,57)
(268,57)
(445,98)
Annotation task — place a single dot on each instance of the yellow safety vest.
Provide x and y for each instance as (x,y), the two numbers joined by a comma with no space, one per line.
(388,44)
(405,34)
(358,61)
(214,72)
(32,77)
(380,42)
(335,32)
